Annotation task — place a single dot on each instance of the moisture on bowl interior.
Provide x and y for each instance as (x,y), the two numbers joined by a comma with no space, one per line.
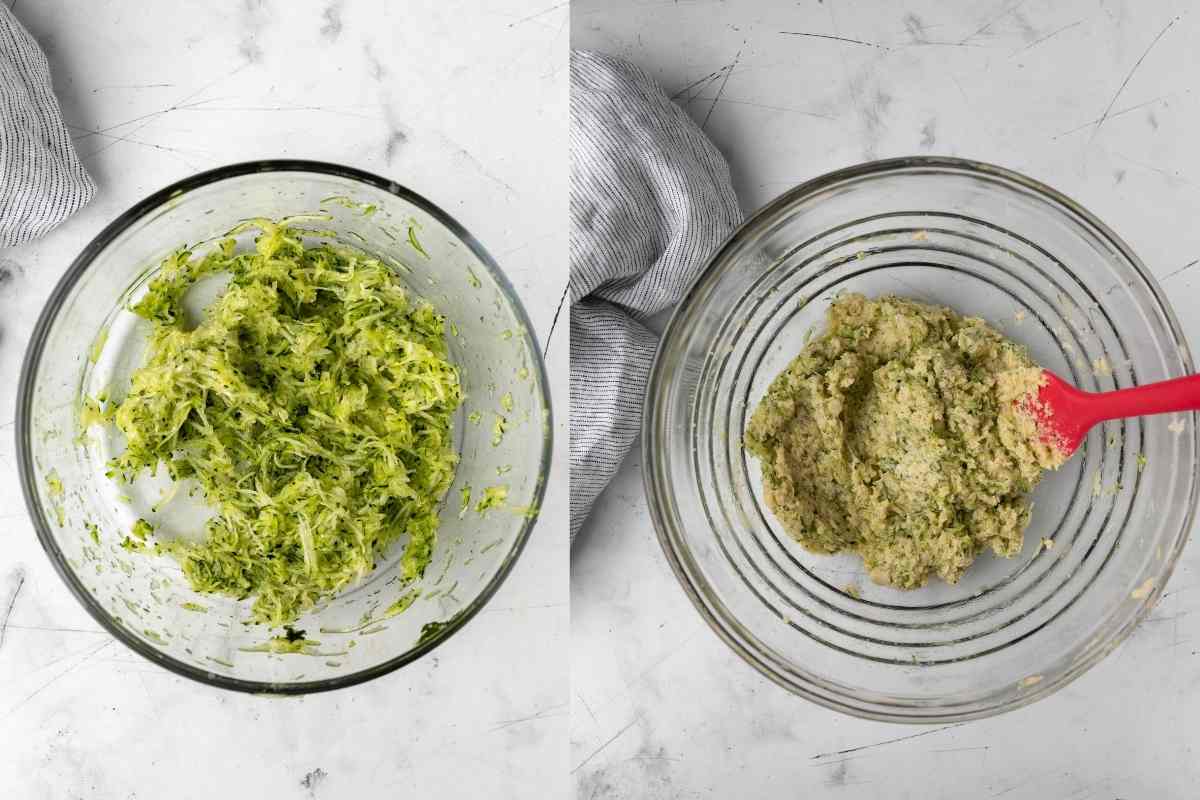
(313,406)
(897,434)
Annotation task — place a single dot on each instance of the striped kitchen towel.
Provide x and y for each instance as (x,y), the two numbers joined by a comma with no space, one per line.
(651,199)
(41,180)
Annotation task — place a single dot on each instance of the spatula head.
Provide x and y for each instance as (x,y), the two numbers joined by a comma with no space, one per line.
(1058,409)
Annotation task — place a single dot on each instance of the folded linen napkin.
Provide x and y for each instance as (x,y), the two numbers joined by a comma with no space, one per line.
(42,181)
(651,199)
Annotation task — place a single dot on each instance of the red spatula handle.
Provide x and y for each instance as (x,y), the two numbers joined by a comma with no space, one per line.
(1177,394)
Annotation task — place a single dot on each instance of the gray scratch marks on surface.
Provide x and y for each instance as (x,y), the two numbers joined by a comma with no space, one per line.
(49,629)
(146,119)
(962,749)
(1179,271)
(987,25)
(88,656)
(787,109)
(602,747)
(1113,115)
(706,80)
(1170,176)
(1027,30)
(728,71)
(1047,37)
(1129,76)
(134,86)
(465,155)
(554,323)
(889,741)
(547,713)
(539,14)
(1021,783)
(833,38)
(332,27)
(177,152)
(18,578)
(588,709)
(90,132)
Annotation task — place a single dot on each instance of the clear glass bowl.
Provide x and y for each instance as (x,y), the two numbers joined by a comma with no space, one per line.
(86,342)
(986,242)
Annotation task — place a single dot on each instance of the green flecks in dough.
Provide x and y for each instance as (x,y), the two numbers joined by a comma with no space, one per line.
(506,334)
(897,434)
(312,404)
(498,429)
(473,279)
(504,469)
(506,402)
(493,497)
(94,532)
(196,607)
(154,636)
(475,418)
(464,498)
(54,485)
(1141,462)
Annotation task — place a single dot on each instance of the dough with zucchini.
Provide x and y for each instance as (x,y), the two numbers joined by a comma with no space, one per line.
(896,434)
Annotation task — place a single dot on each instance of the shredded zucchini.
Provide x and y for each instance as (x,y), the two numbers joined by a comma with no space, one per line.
(493,497)
(313,404)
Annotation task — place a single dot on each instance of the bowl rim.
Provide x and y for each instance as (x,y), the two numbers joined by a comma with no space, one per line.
(659,494)
(32,360)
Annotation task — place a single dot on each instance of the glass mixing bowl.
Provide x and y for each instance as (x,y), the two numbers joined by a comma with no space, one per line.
(86,342)
(986,242)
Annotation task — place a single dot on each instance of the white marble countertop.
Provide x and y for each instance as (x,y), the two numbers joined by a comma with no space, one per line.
(1078,94)
(467,107)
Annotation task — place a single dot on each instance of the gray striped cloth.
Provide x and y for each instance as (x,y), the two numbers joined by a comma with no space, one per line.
(41,180)
(651,199)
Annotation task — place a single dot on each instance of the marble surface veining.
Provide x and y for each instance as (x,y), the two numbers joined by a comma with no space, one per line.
(464,102)
(1095,98)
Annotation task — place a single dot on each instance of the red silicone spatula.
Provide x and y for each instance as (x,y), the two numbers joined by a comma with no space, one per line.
(1065,414)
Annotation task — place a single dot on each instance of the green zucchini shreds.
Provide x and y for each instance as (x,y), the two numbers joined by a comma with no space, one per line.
(312,404)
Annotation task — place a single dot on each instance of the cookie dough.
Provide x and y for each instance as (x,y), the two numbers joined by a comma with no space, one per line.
(896,434)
